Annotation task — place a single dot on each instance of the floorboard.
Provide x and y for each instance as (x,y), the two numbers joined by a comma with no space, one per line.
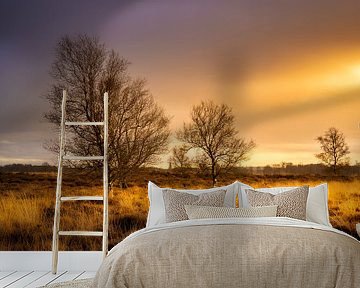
(87,275)
(46,279)
(13,277)
(34,279)
(5,274)
(28,279)
(68,276)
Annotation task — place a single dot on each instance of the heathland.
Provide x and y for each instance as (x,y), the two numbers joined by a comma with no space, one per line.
(27,204)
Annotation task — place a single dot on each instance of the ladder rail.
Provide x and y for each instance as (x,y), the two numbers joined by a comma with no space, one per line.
(55,243)
(106,183)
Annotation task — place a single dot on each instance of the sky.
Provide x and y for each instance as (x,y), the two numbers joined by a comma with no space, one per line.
(288,69)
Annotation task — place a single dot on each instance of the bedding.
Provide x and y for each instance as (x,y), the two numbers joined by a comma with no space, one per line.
(202,212)
(317,210)
(290,203)
(156,213)
(175,201)
(234,252)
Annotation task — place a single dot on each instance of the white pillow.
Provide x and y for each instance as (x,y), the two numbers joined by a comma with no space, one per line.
(317,210)
(156,213)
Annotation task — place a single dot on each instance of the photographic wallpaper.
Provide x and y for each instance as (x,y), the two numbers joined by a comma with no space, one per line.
(201,94)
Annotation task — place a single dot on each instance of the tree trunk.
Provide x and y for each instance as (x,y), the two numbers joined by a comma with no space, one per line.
(123,184)
(213,175)
(110,189)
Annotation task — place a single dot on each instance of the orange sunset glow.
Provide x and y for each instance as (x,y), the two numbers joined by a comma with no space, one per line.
(283,108)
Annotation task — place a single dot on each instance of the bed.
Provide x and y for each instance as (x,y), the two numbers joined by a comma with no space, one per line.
(234,251)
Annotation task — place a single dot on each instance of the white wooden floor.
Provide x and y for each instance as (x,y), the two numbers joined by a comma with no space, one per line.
(31,279)
(32,268)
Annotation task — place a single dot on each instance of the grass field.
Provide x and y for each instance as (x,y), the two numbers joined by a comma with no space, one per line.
(27,205)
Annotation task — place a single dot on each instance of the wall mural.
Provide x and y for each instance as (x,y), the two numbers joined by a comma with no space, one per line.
(200,95)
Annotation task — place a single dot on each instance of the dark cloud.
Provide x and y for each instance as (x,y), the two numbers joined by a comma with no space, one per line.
(31,21)
(29,31)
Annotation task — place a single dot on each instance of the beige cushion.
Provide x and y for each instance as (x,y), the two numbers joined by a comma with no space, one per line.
(156,213)
(317,203)
(201,212)
(175,201)
(290,203)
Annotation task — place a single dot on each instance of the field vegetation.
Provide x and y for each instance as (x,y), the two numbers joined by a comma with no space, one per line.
(27,204)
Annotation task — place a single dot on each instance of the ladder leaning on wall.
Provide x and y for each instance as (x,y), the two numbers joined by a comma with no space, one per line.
(60,199)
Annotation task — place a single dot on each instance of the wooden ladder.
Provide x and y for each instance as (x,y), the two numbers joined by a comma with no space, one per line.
(59,198)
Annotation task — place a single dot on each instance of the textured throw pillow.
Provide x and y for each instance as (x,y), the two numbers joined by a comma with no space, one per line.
(156,213)
(175,201)
(317,210)
(290,203)
(201,212)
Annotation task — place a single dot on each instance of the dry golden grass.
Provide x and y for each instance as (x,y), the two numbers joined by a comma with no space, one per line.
(344,205)
(27,206)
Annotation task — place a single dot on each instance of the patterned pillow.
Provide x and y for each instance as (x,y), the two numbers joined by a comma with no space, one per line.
(201,212)
(175,201)
(290,203)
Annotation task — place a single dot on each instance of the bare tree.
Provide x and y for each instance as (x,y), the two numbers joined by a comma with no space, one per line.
(334,149)
(179,157)
(213,134)
(138,127)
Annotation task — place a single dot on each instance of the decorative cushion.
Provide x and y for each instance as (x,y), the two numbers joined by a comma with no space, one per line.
(317,210)
(175,202)
(290,203)
(156,213)
(201,212)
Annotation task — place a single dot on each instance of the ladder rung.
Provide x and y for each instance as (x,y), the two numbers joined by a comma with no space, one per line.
(84,123)
(70,157)
(80,233)
(84,198)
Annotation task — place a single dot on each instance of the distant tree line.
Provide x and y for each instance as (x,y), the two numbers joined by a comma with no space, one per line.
(22,168)
(300,169)
(275,169)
